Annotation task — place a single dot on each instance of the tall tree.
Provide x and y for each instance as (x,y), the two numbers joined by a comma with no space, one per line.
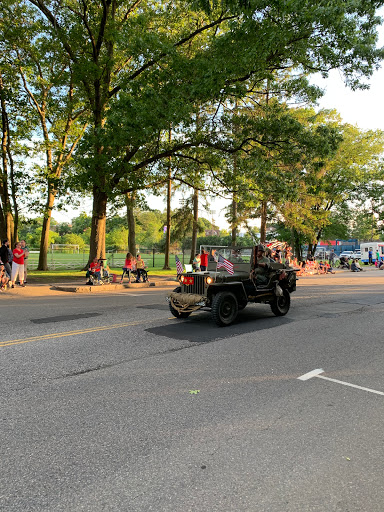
(142,67)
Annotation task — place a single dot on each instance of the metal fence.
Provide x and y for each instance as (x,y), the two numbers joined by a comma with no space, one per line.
(77,260)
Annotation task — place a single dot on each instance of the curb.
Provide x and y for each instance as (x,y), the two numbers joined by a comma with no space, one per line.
(110,287)
(100,289)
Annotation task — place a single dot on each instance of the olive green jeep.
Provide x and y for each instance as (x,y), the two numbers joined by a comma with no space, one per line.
(225,293)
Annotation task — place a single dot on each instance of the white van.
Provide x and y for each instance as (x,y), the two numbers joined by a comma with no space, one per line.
(371,246)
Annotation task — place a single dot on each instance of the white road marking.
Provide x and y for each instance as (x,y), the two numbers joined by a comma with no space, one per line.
(316,373)
(311,374)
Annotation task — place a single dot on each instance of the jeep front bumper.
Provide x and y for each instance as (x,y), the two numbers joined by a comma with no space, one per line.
(186,302)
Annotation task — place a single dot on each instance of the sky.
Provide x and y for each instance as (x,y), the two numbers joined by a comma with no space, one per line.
(364,108)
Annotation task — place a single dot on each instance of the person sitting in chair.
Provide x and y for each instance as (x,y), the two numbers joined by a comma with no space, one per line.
(94,271)
(140,266)
(259,274)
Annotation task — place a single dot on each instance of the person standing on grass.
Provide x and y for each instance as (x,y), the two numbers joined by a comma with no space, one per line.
(196,263)
(4,257)
(18,265)
(204,260)
(26,254)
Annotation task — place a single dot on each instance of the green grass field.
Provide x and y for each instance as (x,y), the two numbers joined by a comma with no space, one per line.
(66,266)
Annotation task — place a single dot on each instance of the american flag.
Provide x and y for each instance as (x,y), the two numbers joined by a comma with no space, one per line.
(179,266)
(222,262)
(275,244)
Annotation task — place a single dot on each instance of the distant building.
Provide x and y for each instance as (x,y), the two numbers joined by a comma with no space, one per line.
(212,232)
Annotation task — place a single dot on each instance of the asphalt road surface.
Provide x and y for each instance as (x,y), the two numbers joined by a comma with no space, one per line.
(110,404)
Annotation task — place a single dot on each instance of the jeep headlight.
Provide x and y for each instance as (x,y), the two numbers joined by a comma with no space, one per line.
(209,280)
(182,279)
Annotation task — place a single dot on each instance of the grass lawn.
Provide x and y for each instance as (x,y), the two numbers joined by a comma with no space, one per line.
(52,276)
(60,262)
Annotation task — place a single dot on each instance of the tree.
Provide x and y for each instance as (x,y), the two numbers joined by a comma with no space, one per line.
(141,69)
(149,228)
(73,239)
(352,175)
(15,129)
(81,223)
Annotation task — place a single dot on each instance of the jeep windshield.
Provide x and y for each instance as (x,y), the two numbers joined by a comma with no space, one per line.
(241,257)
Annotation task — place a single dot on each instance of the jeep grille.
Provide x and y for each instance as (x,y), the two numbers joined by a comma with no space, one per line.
(197,287)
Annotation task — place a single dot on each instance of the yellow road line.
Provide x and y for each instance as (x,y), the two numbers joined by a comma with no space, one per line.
(64,334)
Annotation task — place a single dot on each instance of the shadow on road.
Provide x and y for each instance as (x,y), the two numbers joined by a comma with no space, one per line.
(199,327)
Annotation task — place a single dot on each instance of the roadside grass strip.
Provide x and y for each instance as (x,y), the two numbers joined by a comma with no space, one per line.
(316,373)
(65,334)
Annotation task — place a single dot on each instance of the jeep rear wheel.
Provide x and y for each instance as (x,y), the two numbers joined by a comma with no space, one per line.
(224,308)
(174,311)
(281,304)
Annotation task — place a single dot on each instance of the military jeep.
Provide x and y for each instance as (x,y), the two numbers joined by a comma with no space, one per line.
(224,294)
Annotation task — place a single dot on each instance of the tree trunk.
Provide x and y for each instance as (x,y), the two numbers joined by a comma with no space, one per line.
(263,226)
(168,233)
(195,224)
(6,217)
(130,203)
(297,245)
(44,241)
(99,216)
(14,220)
(234,222)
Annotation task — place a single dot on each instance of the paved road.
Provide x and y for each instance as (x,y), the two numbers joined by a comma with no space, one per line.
(97,415)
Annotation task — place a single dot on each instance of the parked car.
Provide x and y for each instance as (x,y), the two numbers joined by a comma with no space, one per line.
(356,255)
(347,254)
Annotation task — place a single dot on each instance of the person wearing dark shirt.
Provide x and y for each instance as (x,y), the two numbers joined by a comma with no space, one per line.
(4,257)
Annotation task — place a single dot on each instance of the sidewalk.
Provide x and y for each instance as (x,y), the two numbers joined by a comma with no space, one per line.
(77,285)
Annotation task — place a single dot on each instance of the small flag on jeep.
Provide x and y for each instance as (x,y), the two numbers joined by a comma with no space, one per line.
(222,262)
(179,266)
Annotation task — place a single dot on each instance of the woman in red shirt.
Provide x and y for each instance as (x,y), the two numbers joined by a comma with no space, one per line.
(18,265)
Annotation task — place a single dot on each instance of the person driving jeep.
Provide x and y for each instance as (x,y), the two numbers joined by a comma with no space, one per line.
(261,266)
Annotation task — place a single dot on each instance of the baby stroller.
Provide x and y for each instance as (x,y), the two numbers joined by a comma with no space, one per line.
(344,263)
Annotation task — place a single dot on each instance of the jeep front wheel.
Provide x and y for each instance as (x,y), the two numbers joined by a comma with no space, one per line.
(281,304)
(174,311)
(224,308)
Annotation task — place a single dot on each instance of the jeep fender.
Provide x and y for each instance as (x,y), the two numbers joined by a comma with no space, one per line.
(236,288)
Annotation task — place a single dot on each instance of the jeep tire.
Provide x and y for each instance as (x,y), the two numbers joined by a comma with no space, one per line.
(174,311)
(281,304)
(224,308)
